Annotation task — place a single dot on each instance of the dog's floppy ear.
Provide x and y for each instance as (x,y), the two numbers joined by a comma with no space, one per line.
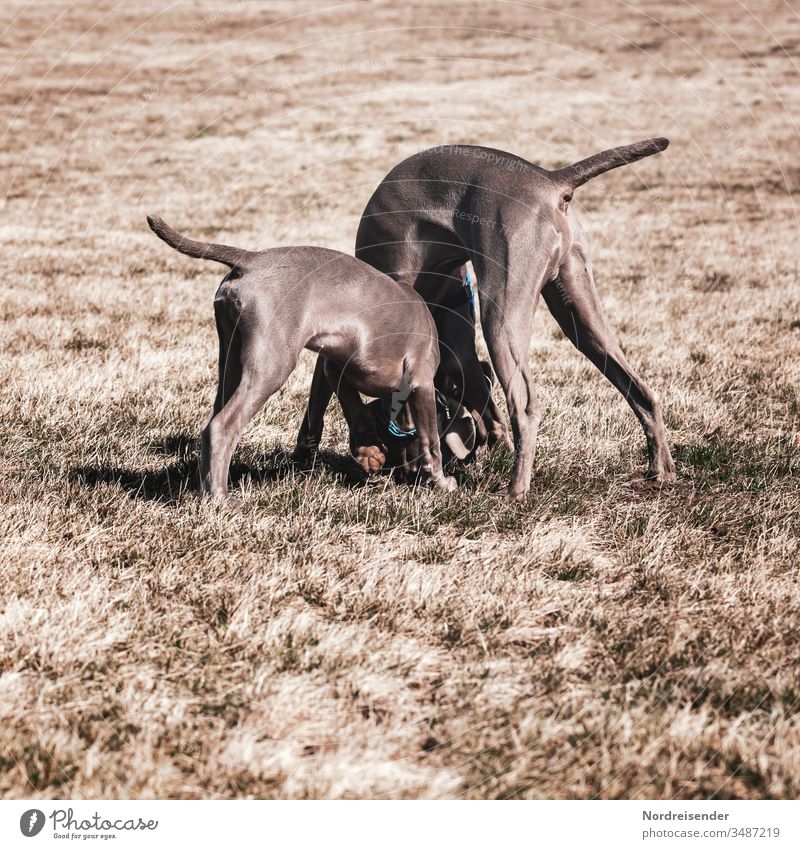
(460,436)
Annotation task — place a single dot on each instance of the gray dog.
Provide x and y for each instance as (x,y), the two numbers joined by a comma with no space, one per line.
(440,208)
(376,335)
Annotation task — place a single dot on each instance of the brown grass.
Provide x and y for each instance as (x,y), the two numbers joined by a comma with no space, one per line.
(605,639)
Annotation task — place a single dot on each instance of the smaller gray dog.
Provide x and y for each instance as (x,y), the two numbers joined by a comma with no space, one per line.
(375,333)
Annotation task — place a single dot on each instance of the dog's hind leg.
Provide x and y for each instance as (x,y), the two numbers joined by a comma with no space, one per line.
(574,303)
(248,376)
(310,434)
(507,310)
(228,373)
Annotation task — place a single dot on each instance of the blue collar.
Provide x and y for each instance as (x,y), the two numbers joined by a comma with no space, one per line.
(392,429)
(469,284)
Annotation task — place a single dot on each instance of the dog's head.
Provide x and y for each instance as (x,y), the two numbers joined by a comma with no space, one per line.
(457,431)
(457,435)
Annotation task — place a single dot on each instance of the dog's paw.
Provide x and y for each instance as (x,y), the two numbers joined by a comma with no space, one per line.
(403,476)
(224,504)
(233,505)
(503,440)
(516,495)
(448,484)
(303,457)
(661,476)
(370,458)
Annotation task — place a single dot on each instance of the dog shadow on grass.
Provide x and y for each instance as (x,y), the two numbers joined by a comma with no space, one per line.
(172,482)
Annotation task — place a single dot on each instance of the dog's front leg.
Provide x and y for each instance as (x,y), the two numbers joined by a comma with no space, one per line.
(365,446)
(422,403)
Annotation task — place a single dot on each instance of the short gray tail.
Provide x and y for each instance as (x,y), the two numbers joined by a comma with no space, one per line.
(232,257)
(581,172)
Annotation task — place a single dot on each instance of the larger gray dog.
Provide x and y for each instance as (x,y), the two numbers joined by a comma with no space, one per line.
(375,333)
(438,209)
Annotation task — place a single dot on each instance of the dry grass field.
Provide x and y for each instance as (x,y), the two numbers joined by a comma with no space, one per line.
(605,639)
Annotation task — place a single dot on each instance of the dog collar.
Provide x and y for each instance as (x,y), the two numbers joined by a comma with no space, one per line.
(388,424)
(464,295)
(469,284)
(393,430)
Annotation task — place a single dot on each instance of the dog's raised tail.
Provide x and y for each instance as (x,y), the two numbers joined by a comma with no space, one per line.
(230,256)
(581,172)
